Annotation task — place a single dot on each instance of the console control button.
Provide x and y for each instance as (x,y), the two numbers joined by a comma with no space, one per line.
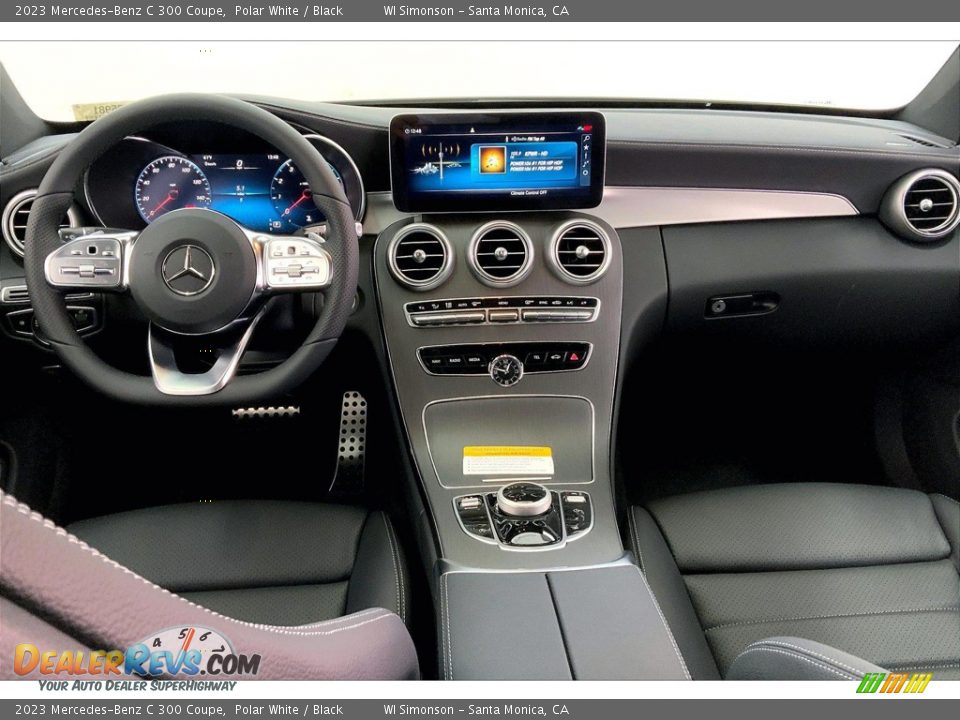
(472,511)
(501,316)
(452,318)
(524,499)
(564,308)
(453,361)
(577,512)
(557,315)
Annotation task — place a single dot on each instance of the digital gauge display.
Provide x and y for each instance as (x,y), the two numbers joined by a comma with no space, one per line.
(170,183)
(263,192)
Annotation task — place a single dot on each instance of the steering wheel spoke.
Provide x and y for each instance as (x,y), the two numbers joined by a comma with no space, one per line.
(96,260)
(292,263)
(228,346)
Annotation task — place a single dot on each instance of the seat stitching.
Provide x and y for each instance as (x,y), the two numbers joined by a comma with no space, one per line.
(838,615)
(448,645)
(632,522)
(396,566)
(666,625)
(779,643)
(48,524)
(932,666)
(804,658)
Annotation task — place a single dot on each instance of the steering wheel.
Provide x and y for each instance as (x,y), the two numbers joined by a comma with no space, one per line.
(192,272)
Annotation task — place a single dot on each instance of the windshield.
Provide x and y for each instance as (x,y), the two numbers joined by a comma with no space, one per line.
(854,75)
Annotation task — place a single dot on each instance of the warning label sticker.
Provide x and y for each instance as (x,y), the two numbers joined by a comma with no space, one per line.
(507,460)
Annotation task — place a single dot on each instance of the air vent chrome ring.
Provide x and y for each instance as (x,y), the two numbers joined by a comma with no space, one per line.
(923,206)
(582,252)
(409,275)
(486,263)
(14,227)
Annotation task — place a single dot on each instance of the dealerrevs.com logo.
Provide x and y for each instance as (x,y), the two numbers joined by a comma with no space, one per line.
(889,683)
(186,650)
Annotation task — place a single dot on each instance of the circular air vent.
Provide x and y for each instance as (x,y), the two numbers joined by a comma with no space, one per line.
(15,215)
(420,257)
(500,254)
(924,205)
(579,252)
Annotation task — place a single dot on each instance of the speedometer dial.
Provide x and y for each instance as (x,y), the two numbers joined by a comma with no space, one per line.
(293,200)
(169,183)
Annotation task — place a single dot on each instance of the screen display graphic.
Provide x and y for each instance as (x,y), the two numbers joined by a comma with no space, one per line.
(514,161)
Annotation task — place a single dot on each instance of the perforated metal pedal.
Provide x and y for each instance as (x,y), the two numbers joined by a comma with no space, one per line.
(348,478)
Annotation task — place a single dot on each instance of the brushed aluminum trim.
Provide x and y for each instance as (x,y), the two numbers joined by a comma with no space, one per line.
(631,207)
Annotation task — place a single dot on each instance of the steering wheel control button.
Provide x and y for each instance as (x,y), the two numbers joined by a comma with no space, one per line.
(506,370)
(295,263)
(524,499)
(90,261)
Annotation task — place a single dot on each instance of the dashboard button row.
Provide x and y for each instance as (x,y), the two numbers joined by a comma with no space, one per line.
(474,311)
(475,359)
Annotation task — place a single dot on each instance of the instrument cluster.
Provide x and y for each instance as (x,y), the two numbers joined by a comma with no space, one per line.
(142,178)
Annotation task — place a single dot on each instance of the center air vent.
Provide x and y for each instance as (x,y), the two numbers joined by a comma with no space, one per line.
(15,215)
(579,252)
(420,257)
(500,254)
(923,206)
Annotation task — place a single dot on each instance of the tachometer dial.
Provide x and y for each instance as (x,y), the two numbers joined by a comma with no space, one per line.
(169,183)
(293,200)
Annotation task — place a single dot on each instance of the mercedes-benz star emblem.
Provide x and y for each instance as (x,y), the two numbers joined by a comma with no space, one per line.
(188,270)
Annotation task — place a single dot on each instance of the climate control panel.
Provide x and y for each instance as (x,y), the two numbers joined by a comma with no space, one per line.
(500,310)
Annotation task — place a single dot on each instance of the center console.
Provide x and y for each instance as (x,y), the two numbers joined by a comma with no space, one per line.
(505,372)
(501,318)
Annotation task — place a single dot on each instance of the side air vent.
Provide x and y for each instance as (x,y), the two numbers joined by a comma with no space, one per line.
(923,206)
(500,254)
(420,257)
(15,215)
(579,252)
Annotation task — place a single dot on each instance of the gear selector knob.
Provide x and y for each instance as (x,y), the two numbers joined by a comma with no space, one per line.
(524,499)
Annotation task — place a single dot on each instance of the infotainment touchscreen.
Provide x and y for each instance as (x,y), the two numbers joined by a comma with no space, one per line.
(497,161)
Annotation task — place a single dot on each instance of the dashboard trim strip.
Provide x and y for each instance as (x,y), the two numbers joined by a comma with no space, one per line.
(633,207)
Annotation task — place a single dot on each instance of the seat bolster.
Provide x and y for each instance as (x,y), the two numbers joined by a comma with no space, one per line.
(668,587)
(948,514)
(378,578)
(792,658)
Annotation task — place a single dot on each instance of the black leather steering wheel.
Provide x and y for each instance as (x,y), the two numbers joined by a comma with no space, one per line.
(193,271)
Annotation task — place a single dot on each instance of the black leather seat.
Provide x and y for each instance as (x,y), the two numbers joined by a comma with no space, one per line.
(281,563)
(871,571)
